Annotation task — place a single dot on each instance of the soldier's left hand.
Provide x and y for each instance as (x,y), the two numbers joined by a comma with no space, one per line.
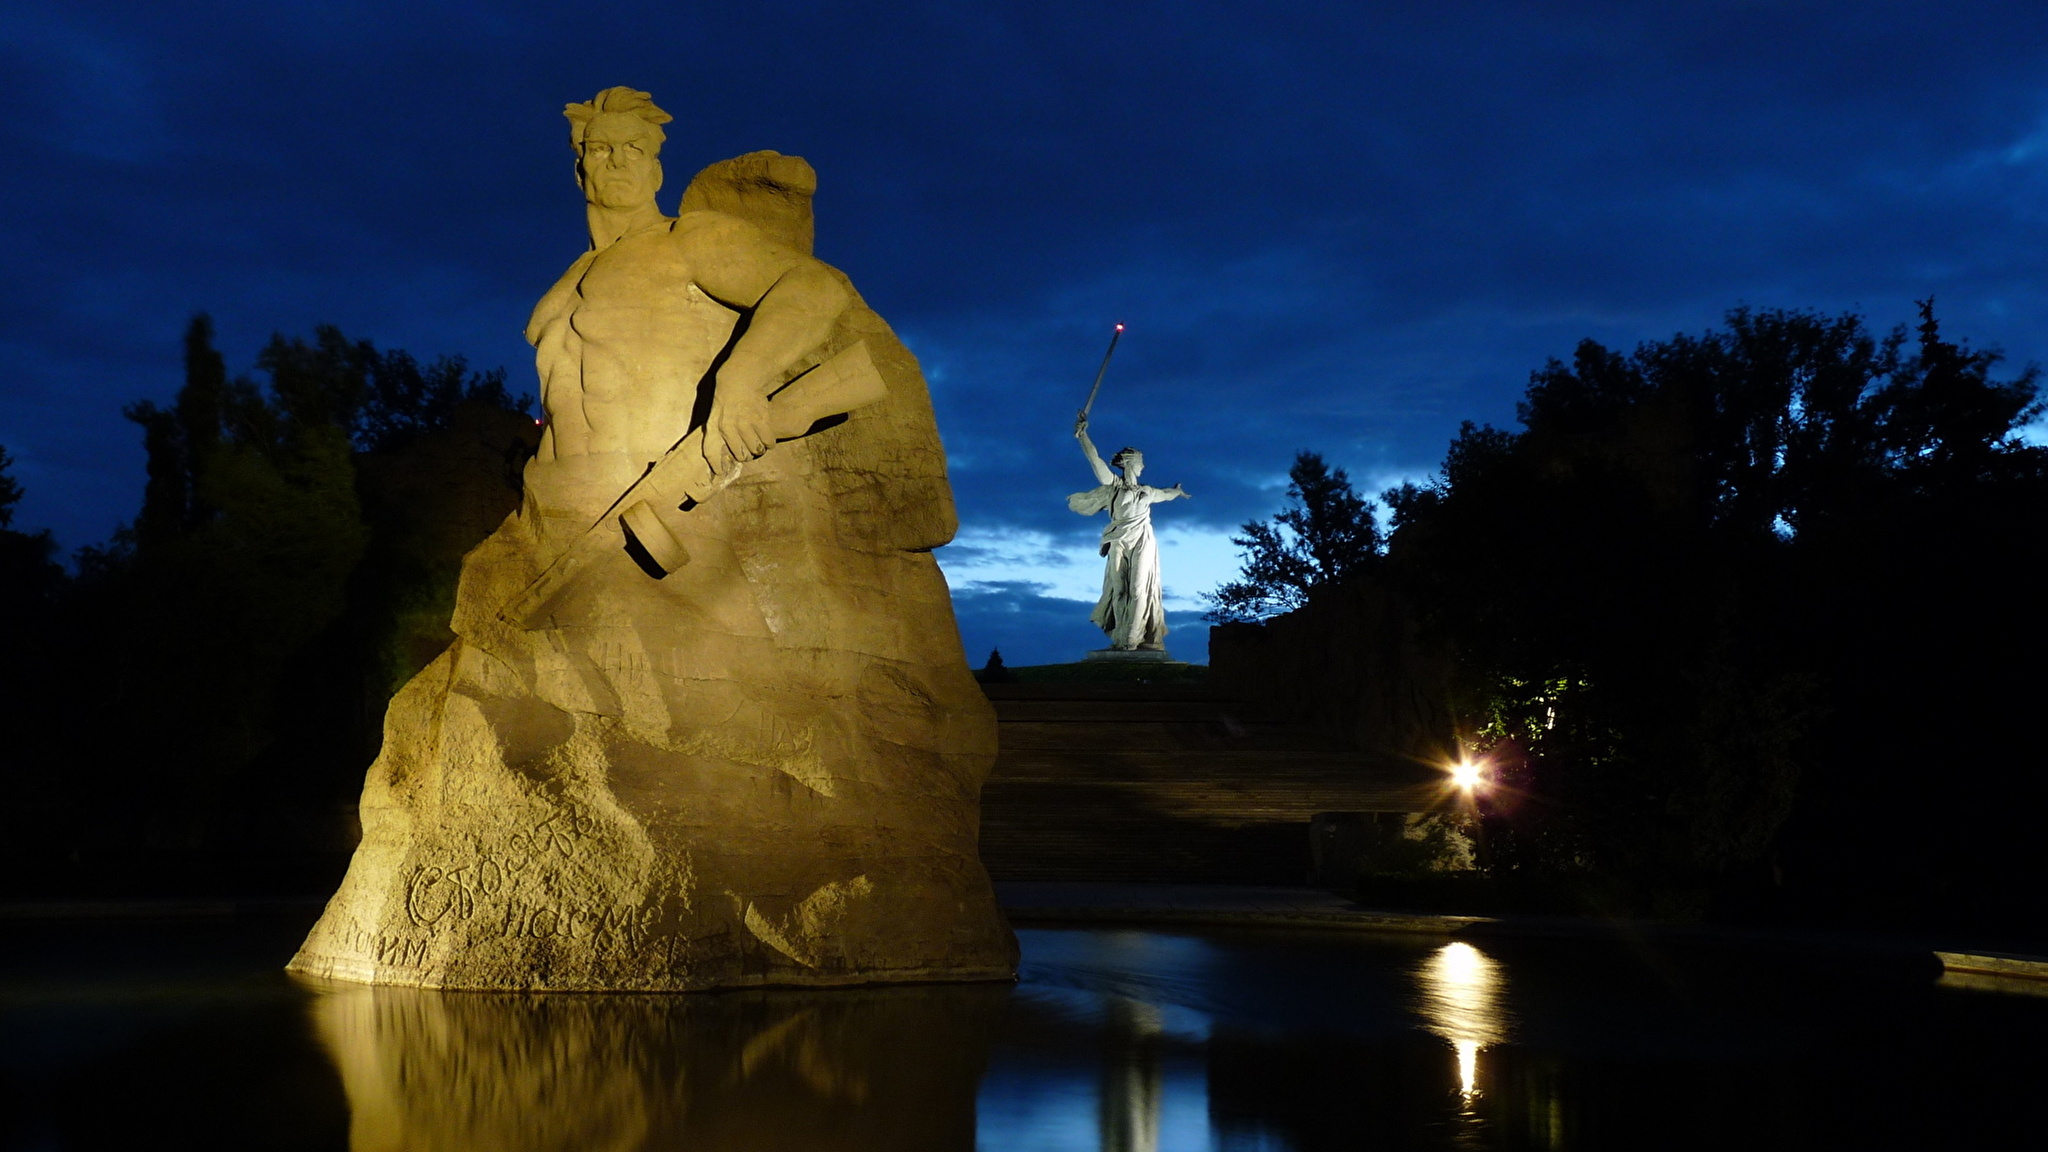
(738,430)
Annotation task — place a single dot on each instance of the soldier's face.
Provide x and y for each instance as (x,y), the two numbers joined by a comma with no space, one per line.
(617,165)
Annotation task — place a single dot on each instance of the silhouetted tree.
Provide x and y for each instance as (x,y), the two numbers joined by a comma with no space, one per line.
(1327,534)
(292,563)
(30,580)
(1704,586)
(31,589)
(30,585)
(10,489)
(995,671)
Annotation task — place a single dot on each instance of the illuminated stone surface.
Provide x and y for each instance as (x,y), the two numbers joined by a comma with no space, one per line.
(761,768)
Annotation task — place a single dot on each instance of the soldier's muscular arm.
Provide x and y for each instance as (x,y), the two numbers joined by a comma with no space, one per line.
(794,301)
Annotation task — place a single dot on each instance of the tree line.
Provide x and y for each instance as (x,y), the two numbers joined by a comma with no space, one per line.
(194,703)
(1749,617)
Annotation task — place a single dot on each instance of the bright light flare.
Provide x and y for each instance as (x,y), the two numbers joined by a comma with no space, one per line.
(1119,327)
(1469,775)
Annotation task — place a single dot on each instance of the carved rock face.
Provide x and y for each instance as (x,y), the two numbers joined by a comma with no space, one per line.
(617,161)
(762,769)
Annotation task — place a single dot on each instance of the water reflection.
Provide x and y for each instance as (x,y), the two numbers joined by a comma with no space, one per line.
(877,1069)
(123,1036)
(1460,999)
(1133,1080)
(1992,982)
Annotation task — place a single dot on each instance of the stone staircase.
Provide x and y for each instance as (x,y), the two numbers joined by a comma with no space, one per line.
(1172,783)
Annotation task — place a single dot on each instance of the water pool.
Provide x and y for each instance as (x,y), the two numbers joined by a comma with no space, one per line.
(186,1035)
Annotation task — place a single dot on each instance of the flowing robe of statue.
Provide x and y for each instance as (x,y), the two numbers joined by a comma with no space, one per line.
(762,768)
(1132,610)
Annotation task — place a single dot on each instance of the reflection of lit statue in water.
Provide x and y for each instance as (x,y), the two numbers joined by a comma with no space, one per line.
(870,1070)
(1133,1082)
(1132,609)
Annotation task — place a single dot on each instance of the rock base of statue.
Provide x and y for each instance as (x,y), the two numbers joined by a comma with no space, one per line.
(761,769)
(1133,655)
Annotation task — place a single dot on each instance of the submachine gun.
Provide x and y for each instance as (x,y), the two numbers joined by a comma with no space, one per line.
(681,480)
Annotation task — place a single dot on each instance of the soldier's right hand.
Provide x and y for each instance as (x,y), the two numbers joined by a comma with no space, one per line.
(738,430)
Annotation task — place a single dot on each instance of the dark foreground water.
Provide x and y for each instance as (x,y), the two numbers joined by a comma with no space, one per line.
(146,1036)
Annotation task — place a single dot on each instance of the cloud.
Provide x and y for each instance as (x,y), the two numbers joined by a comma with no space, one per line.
(1068,566)
(1031,627)
(1339,228)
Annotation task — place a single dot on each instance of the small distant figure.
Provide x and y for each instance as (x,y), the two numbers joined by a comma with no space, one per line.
(1131,610)
(995,671)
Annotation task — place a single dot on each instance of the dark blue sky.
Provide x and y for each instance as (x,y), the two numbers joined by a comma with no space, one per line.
(1344,227)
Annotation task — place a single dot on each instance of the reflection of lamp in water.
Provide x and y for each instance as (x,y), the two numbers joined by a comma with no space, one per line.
(1460,1002)
(1468,1066)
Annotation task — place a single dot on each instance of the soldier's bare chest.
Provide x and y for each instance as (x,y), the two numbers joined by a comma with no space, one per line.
(648,272)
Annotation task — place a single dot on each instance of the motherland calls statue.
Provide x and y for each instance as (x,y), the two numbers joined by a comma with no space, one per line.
(706,722)
(1132,608)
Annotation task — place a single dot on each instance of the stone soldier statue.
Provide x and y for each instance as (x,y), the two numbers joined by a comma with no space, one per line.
(1131,609)
(706,721)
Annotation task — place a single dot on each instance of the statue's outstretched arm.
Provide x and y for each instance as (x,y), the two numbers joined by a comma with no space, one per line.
(1102,473)
(795,301)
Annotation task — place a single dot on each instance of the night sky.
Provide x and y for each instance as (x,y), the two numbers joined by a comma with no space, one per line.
(1344,227)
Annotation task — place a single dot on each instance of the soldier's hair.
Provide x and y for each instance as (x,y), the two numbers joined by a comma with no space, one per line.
(1124,455)
(621,99)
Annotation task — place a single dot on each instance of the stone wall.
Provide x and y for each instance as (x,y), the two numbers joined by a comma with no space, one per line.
(1352,662)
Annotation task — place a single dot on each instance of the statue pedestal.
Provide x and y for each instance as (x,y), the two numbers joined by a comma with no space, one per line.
(1133,656)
